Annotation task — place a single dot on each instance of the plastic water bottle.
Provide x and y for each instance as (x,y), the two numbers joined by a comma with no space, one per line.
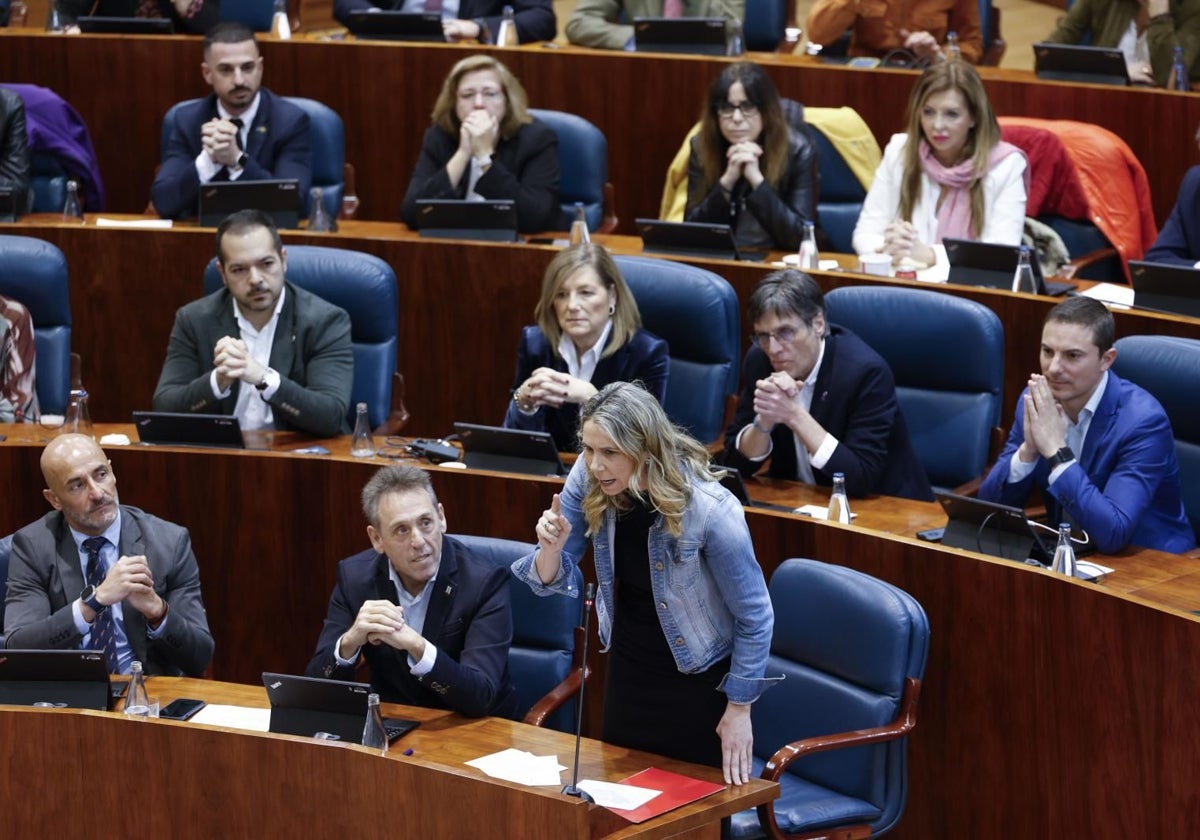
(78,419)
(953,50)
(579,229)
(374,735)
(72,208)
(1179,72)
(1023,276)
(54,21)
(507,36)
(839,505)
(808,257)
(362,445)
(319,219)
(281,28)
(735,39)
(137,699)
(1064,552)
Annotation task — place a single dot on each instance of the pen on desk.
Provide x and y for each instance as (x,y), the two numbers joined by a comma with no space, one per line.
(408,752)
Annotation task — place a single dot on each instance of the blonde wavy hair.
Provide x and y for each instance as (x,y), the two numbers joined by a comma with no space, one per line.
(982,138)
(668,458)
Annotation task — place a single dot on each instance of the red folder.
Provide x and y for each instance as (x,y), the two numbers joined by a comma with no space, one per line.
(676,790)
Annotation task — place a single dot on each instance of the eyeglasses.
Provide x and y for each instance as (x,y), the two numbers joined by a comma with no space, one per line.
(783,335)
(749,110)
(488,95)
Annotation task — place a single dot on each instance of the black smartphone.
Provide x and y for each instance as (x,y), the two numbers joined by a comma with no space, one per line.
(182,709)
(932,535)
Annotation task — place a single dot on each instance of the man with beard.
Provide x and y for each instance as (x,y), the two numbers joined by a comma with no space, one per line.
(260,348)
(241,131)
(94,574)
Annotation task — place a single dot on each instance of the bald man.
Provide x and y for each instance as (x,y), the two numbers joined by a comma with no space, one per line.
(94,574)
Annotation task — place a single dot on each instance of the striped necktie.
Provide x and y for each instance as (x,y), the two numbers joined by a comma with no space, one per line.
(104,635)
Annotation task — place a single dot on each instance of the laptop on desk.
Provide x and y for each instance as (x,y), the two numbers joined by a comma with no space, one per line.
(486,221)
(991,266)
(696,36)
(279,199)
(103,25)
(73,678)
(168,428)
(1001,531)
(732,481)
(308,705)
(694,239)
(509,450)
(396,26)
(8,205)
(1074,63)
(1161,287)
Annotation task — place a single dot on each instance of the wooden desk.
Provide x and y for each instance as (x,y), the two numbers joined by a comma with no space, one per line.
(189,780)
(462,307)
(1050,707)
(645,104)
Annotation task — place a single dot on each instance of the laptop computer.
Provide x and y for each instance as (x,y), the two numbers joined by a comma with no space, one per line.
(73,678)
(396,26)
(279,199)
(308,705)
(1074,63)
(168,428)
(509,450)
(487,221)
(693,239)
(991,266)
(695,35)
(103,25)
(8,205)
(989,528)
(1165,288)
(732,481)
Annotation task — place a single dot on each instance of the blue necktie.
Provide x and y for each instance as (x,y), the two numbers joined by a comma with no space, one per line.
(104,635)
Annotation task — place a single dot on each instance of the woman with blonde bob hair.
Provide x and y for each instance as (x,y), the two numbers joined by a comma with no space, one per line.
(950,176)
(588,334)
(484,145)
(682,604)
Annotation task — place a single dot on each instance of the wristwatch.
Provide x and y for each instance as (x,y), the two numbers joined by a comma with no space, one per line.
(242,158)
(88,596)
(1062,456)
(262,384)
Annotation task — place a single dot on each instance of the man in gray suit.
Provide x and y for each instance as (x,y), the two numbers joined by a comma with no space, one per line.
(261,349)
(98,575)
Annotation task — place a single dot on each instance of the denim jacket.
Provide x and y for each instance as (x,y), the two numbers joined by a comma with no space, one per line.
(712,599)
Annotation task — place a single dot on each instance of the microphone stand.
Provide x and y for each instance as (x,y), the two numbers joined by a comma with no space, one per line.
(572,789)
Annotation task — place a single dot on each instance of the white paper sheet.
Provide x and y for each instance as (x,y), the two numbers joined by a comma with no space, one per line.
(151,224)
(235,717)
(613,795)
(521,767)
(817,511)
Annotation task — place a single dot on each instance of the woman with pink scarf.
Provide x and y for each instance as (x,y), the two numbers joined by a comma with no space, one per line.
(950,176)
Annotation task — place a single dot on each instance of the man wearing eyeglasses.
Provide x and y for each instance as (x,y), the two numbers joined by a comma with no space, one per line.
(817,400)
(241,131)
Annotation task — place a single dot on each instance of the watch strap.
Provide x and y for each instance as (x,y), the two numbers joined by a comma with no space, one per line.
(1062,456)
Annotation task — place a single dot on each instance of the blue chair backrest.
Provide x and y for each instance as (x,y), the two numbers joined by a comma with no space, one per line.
(364,286)
(1082,237)
(5,553)
(256,14)
(947,356)
(841,196)
(764,24)
(34,273)
(696,313)
(327,135)
(846,642)
(1169,368)
(543,645)
(985,22)
(48,181)
(582,165)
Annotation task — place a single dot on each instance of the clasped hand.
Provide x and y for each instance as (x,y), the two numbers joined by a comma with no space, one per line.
(741,161)
(233,361)
(130,580)
(478,133)
(552,388)
(219,139)
(380,622)
(776,398)
(1045,421)
(900,240)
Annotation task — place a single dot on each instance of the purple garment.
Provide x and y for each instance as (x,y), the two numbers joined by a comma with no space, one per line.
(57,130)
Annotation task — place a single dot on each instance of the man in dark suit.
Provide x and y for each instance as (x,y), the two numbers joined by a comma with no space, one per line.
(475,19)
(260,348)
(1099,448)
(95,574)
(240,132)
(817,400)
(193,17)
(432,620)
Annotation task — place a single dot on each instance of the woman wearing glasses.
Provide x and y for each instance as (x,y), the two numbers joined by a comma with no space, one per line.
(749,168)
(484,145)
(950,176)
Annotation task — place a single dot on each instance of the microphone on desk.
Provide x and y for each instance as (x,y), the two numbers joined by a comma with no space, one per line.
(589,597)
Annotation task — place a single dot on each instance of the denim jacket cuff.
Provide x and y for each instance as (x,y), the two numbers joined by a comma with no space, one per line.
(745,690)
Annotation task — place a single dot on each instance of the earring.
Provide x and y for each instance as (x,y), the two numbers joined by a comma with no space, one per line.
(612,309)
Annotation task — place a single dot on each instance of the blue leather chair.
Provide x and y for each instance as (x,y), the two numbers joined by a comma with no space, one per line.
(365,286)
(545,658)
(696,313)
(328,136)
(841,196)
(582,170)
(35,273)
(5,553)
(947,356)
(48,182)
(256,14)
(1169,368)
(766,23)
(834,732)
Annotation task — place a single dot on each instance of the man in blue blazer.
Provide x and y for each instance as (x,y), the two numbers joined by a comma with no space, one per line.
(1178,242)
(240,132)
(817,400)
(432,620)
(472,20)
(1099,448)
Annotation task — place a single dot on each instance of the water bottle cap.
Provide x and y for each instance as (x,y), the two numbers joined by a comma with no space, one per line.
(838,475)
(362,406)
